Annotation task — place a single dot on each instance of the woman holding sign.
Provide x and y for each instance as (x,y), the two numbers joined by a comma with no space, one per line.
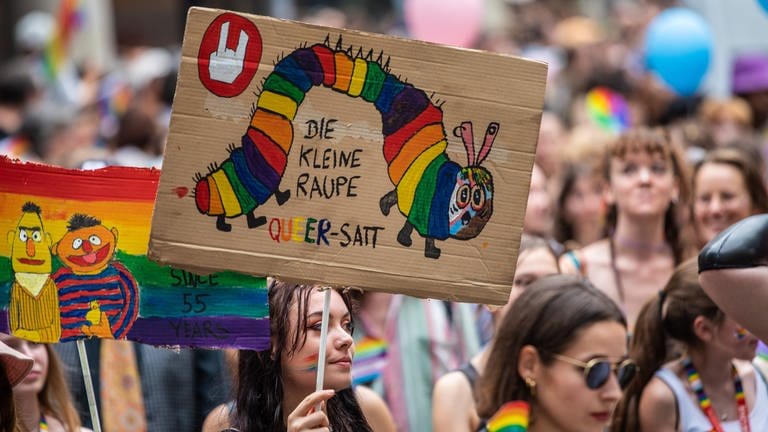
(276,388)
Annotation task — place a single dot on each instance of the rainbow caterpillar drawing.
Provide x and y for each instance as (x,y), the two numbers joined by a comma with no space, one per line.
(439,198)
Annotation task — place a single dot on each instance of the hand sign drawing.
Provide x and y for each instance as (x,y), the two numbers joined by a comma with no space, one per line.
(226,64)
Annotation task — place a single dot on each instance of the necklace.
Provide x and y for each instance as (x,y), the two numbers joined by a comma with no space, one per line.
(706,404)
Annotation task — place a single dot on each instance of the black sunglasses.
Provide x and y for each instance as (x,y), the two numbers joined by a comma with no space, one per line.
(598,370)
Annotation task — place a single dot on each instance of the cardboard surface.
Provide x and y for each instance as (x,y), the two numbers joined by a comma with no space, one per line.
(362,137)
(73,265)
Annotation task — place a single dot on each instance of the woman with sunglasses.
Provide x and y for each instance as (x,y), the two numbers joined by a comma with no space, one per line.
(560,351)
(707,382)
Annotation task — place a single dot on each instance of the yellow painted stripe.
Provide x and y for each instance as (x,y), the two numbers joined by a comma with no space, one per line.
(275,127)
(278,103)
(344,67)
(358,77)
(406,189)
(228,197)
(425,138)
(216,207)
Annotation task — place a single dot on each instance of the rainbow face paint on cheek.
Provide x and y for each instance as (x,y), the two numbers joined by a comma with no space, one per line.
(741,333)
(309,364)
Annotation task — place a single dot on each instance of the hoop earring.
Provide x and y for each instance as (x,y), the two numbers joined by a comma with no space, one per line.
(531,384)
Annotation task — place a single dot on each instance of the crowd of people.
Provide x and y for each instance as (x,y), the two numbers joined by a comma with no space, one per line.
(607,325)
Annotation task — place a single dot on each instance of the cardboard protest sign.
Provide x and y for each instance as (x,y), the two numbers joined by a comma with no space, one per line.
(74,266)
(318,154)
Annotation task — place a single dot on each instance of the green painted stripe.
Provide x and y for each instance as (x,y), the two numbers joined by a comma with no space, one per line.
(280,85)
(374,81)
(247,203)
(422,201)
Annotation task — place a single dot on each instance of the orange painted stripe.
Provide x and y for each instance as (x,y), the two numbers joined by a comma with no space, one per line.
(344,66)
(216,206)
(275,126)
(419,142)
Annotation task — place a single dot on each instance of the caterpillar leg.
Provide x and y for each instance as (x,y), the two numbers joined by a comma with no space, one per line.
(281,197)
(430,250)
(404,236)
(222,225)
(255,222)
(387,202)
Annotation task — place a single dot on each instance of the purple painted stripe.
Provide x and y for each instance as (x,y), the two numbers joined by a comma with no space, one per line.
(4,327)
(203,332)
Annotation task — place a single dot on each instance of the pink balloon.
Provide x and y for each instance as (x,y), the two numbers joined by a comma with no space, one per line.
(450,22)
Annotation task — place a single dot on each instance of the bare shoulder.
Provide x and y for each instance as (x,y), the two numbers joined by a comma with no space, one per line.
(374,409)
(658,408)
(218,419)
(453,404)
(598,252)
(452,385)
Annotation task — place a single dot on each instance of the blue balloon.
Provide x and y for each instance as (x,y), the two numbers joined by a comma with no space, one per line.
(678,48)
(764,4)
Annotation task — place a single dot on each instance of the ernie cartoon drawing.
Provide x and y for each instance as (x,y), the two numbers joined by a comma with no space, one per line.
(97,295)
(34,304)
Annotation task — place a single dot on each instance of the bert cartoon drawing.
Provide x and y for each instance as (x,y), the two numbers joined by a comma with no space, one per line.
(34,301)
(97,296)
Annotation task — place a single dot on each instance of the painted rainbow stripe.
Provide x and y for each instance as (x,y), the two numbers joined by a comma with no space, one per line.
(412,125)
(608,109)
(511,417)
(309,364)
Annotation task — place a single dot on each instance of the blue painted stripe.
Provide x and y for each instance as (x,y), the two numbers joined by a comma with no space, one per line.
(290,70)
(254,187)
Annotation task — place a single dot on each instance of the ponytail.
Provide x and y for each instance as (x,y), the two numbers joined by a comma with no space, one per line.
(649,351)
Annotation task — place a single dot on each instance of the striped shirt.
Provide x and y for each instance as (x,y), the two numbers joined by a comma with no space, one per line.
(424,340)
(114,289)
(38,314)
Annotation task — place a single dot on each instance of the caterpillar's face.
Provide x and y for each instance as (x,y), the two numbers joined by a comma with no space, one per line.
(471,203)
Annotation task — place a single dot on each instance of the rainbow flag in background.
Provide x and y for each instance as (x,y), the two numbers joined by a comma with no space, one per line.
(163,306)
(511,417)
(608,109)
(69,20)
(370,360)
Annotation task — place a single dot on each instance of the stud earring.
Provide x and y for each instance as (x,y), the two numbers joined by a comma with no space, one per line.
(531,384)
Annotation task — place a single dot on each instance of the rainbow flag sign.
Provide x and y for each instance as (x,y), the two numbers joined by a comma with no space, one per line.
(74,265)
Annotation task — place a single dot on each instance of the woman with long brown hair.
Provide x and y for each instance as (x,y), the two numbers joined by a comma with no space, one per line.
(561,350)
(694,362)
(646,182)
(42,399)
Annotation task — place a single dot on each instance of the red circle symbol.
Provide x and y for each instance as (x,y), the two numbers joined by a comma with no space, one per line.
(229,55)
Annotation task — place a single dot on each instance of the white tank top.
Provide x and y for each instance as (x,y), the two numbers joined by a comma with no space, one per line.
(692,418)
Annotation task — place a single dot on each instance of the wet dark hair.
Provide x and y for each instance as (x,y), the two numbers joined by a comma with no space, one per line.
(575,302)
(663,320)
(259,388)
(30,207)
(79,220)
